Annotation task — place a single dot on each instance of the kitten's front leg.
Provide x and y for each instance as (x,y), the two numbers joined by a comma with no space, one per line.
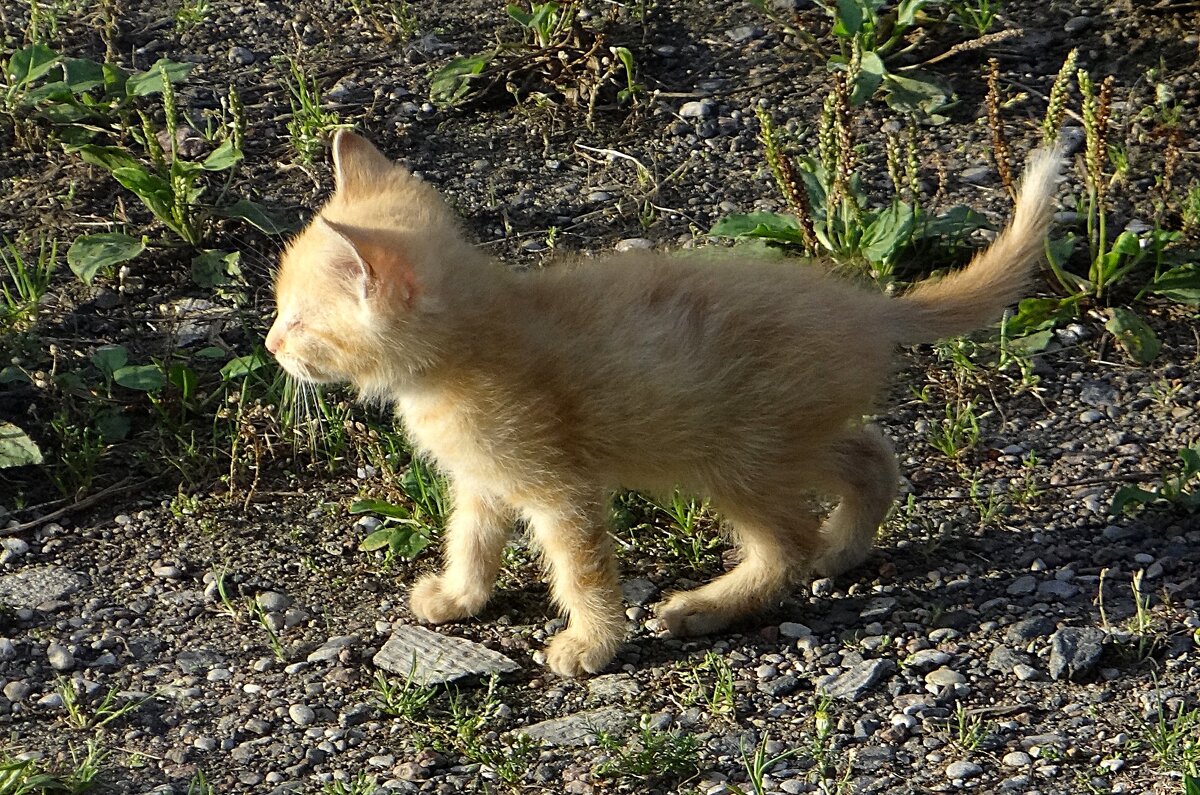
(473,548)
(583,581)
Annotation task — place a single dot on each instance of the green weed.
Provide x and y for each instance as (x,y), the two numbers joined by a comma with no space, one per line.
(191,13)
(1174,739)
(311,125)
(650,756)
(406,699)
(830,212)
(758,764)
(557,56)
(81,716)
(710,683)
(1180,487)
(975,16)
(361,784)
(29,280)
(25,775)
(958,432)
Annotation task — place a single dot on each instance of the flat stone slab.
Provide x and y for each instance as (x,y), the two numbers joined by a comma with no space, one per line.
(580,728)
(434,659)
(32,587)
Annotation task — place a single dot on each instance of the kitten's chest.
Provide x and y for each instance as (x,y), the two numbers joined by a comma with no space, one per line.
(460,439)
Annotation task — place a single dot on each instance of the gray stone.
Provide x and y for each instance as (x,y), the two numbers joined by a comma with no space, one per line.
(926,658)
(873,757)
(878,608)
(301,714)
(780,686)
(976,175)
(35,586)
(59,657)
(167,572)
(1029,629)
(744,33)
(273,601)
(580,728)
(7,650)
(194,661)
(790,629)
(240,56)
(1017,759)
(1057,589)
(17,691)
(1077,25)
(1004,659)
(638,591)
(332,648)
(1026,673)
(853,684)
(962,769)
(943,677)
(634,244)
(1074,652)
(1091,416)
(433,658)
(1022,586)
(822,587)
(697,110)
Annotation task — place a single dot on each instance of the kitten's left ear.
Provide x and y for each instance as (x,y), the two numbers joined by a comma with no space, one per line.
(357,164)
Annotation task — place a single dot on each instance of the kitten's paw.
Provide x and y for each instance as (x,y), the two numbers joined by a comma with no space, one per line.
(685,615)
(435,603)
(577,653)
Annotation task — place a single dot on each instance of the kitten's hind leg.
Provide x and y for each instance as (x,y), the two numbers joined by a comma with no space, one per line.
(475,536)
(578,554)
(774,549)
(862,470)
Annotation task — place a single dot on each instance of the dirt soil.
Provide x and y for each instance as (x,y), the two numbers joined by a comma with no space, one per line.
(1010,634)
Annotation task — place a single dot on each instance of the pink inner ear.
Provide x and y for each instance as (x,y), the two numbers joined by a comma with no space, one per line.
(376,261)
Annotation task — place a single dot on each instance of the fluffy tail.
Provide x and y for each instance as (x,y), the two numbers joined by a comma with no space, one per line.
(976,295)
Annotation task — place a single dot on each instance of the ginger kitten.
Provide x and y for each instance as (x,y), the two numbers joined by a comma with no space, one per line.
(540,393)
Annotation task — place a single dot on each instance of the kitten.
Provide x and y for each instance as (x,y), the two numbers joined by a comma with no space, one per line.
(540,393)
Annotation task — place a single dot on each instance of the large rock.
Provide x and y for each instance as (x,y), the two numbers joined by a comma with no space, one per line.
(433,659)
(1075,651)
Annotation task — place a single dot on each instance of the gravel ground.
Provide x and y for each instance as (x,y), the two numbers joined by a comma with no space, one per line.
(1010,634)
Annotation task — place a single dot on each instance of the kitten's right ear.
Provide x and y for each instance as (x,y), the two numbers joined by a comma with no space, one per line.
(349,259)
(357,164)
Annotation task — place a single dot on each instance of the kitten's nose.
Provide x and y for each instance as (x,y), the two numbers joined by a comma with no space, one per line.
(274,338)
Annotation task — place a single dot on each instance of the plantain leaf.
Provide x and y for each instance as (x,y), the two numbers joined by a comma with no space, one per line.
(16,448)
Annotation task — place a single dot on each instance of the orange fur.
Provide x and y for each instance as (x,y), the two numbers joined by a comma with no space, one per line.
(539,394)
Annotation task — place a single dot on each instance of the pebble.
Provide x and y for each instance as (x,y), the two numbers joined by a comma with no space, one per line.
(962,769)
(977,175)
(17,691)
(1077,25)
(822,587)
(1017,759)
(634,244)
(790,629)
(927,658)
(273,601)
(697,110)
(301,714)
(1022,586)
(241,56)
(59,657)
(944,676)
(7,650)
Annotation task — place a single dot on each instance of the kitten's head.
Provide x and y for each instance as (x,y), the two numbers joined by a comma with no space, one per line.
(356,288)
